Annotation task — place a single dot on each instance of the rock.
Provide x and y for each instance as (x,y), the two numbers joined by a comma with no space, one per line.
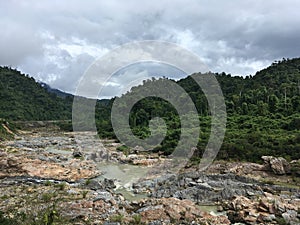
(205,186)
(260,211)
(145,162)
(290,217)
(43,158)
(250,219)
(279,165)
(77,154)
(155,222)
(12,162)
(96,185)
(172,209)
(103,195)
(220,208)
(138,149)
(280,207)
(2,153)
(269,218)
(272,209)
(201,188)
(263,206)
(109,183)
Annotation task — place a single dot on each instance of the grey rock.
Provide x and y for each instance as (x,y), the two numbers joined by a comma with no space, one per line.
(156,222)
(147,208)
(205,186)
(290,217)
(278,165)
(269,218)
(43,158)
(93,184)
(77,154)
(109,183)
(103,195)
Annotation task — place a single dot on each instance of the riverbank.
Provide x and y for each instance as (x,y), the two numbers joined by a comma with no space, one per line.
(72,178)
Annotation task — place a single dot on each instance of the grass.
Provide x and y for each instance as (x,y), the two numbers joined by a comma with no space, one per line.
(46,197)
(48,183)
(137,219)
(88,181)
(117,218)
(84,193)
(61,186)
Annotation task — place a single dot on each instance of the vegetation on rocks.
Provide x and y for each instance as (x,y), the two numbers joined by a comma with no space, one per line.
(6,130)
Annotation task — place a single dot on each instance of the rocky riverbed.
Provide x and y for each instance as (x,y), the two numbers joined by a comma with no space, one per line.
(73,178)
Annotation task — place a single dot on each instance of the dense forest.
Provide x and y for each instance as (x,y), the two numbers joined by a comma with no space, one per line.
(22,98)
(263,114)
(263,111)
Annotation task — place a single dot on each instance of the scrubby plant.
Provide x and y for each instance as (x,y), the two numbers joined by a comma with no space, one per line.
(48,183)
(61,186)
(117,218)
(84,193)
(137,219)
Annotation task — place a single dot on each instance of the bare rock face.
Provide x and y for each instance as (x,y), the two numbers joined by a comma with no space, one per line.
(264,210)
(21,165)
(175,210)
(9,164)
(278,165)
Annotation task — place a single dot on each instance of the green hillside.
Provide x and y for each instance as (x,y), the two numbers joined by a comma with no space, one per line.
(22,98)
(263,113)
(263,110)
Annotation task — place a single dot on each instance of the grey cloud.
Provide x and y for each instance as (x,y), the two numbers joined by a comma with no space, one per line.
(238,37)
(17,43)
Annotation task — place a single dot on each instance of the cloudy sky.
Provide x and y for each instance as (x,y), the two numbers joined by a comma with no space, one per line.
(55,41)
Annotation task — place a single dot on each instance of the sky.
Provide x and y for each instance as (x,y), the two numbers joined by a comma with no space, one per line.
(55,41)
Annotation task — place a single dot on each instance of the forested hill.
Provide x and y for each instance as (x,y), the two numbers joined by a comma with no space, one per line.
(263,113)
(263,110)
(22,98)
(275,89)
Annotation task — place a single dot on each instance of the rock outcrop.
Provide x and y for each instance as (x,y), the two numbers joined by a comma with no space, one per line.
(279,165)
(199,188)
(175,211)
(268,209)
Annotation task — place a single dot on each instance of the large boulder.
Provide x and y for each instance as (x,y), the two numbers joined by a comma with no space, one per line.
(77,154)
(278,165)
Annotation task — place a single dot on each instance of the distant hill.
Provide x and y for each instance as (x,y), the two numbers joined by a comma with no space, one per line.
(57,92)
(22,98)
(275,89)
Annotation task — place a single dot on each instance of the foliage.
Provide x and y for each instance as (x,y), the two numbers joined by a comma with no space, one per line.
(263,114)
(22,98)
(6,130)
(137,219)
(263,111)
(117,218)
